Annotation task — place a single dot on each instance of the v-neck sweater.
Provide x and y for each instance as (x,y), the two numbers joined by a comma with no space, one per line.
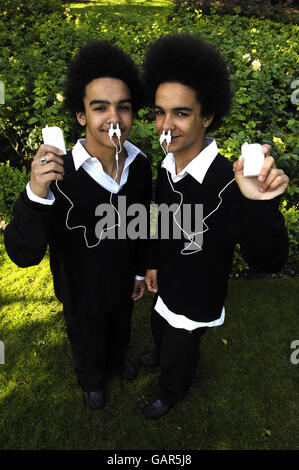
(90,279)
(195,285)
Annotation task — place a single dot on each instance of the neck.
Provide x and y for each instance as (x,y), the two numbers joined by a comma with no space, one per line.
(182,158)
(106,156)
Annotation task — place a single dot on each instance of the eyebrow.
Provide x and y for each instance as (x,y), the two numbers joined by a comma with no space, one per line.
(179,108)
(93,102)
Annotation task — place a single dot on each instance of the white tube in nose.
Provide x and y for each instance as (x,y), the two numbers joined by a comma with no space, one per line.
(111,130)
(114,130)
(168,137)
(162,137)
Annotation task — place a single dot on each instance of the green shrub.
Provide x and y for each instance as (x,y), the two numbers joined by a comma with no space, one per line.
(239,264)
(39,38)
(36,49)
(21,9)
(277,10)
(12,182)
(291,216)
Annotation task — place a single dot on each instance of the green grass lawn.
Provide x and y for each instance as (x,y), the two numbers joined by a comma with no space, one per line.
(245,393)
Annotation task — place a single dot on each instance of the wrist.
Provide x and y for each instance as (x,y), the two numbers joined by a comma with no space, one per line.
(38,191)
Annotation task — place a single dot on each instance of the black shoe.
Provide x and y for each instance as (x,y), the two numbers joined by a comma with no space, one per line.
(94,400)
(149,358)
(158,407)
(129,372)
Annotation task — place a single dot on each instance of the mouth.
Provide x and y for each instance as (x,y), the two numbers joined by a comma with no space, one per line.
(174,138)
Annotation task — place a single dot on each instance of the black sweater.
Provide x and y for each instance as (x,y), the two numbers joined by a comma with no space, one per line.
(196,285)
(90,279)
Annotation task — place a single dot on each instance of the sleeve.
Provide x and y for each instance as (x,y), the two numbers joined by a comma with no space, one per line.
(26,236)
(48,200)
(142,244)
(264,243)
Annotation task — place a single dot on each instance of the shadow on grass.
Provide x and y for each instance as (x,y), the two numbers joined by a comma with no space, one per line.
(11,299)
(244,394)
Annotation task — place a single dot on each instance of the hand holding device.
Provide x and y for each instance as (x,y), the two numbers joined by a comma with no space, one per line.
(54,136)
(47,164)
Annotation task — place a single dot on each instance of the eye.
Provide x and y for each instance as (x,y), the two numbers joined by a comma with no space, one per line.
(182,114)
(158,112)
(100,108)
(125,108)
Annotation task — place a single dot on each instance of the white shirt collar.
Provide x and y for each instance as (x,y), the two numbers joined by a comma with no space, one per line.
(80,154)
(198,167)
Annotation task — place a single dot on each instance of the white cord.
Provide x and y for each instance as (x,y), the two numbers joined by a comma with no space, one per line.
(192,235)
(117,151)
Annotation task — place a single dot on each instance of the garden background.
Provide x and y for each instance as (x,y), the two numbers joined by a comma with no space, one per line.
(246,390)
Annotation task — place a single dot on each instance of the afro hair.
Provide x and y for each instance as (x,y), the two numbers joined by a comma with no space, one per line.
(187,59)
(96,60)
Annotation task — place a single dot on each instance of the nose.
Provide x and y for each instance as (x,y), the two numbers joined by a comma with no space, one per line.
(114,117)
(167,123)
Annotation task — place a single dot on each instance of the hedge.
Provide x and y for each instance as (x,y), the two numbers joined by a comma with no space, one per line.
(40,38)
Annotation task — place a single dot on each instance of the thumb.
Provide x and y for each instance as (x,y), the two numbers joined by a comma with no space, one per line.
(238,165)
(151,283)
(155,284)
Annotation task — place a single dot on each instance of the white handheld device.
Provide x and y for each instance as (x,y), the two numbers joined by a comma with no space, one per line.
(253,159)
(54,136)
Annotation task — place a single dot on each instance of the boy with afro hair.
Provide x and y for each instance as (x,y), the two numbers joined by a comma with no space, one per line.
(188,84)
(96,277)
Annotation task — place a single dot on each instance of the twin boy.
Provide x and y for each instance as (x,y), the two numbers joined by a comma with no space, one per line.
(97,279)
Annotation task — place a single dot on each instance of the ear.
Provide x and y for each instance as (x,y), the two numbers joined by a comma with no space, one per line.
(208,120)
(81,118)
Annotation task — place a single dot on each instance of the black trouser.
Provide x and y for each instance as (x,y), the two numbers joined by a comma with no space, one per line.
(178,352)
(98,342)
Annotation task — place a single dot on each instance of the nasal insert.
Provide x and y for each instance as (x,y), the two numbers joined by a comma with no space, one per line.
(166,137)
(115,130)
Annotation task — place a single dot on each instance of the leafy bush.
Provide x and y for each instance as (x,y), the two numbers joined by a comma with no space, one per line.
(291,216)
(12,182)
(40,39)
(277,10)
(37,48)
(17,10)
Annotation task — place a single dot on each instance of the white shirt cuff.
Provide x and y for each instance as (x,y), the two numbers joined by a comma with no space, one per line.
(49,200)
(139,278)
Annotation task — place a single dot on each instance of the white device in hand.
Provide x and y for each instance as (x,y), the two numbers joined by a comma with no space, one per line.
(54,136)
(253,159)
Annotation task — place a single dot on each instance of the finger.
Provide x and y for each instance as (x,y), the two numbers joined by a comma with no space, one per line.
(270,178)
(266,149)
(277,180)
(48,149)
(50,157)
(137,295)
(154,285)
(48,177)
(238,165)
(150,284)
(268,164)
(50,167)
